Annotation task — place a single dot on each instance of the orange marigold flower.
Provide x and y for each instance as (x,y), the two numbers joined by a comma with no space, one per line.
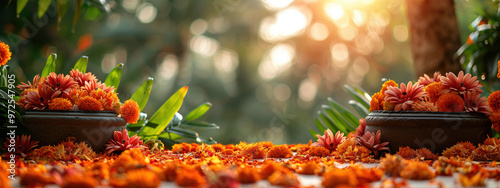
(190,178)
(434,90)
(407,152)
(388,105)
(4,53)
(285,178)
(35,178)
(495,120)
(485,153)
(426,154)
(88,103)
(387,84)
(130,111)
(491,141)
(417,170)
(339,178)
(142,178)
(76,94)
(181,148)
(79,181)
(425,106)
(498,74)
(494,101)
(318,151)
(254,151)
(450,102)
(248,175)
(392,164)
(280,151)
(310,168)
(377,101)
(60,104)
(461,149)
(4,180)
(269,168)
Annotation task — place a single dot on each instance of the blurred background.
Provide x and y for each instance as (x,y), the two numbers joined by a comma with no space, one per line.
(265,65)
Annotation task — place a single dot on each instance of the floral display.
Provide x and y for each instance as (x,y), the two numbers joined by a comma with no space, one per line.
(449,93)
(76,91)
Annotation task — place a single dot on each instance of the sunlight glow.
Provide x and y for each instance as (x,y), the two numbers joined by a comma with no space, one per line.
(318,31)
(198,27)
(108,63)
(276,4)
(130,5)
(169,67)
(282,92)
(340,54)
(204,45)
(278,60)
(400,33)
(348,32)
(226,61)
(334,10)
(359,17)
(307,90)
(146,13)
(286,23)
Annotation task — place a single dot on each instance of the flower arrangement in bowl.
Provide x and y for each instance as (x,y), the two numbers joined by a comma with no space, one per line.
(58,106)
(434,112)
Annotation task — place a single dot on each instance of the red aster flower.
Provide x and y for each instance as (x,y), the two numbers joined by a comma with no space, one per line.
(37,99)
(60,83)
(4,53)
(81,78)
(475,103)
(405,97)
(360,131)
(93,85)
(122,142)
(24,86)
(426,80)
(371,141)
(461,83)
(329,141)
(22,146)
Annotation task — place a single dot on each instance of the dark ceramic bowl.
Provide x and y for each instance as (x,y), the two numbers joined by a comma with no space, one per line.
(94,128)
(433,130)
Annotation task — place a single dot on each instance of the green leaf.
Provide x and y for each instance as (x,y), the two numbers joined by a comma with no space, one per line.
(141,95)
(185,133)
(170,136)
(345,114)
(50,65)
(62,7)
(43,5)
(78,11)
(113,78)
(198,111)
(193,124)
(81,64)
(20,6)
(319,125)
(333,125)
(164,115)
(362,111)
(313,133)
(338,120)
(358,97)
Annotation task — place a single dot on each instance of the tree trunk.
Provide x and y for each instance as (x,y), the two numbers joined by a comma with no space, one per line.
(434,36)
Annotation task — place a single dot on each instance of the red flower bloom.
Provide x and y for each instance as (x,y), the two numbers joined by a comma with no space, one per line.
(371,141)
(329,141)
(22,146)
(426,80)
(404,97)
(36,80)
(461,83)
(122,142)
(81,78)
(475,103)
(60,83)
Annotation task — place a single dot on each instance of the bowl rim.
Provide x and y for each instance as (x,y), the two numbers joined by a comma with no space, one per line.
(28,113)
